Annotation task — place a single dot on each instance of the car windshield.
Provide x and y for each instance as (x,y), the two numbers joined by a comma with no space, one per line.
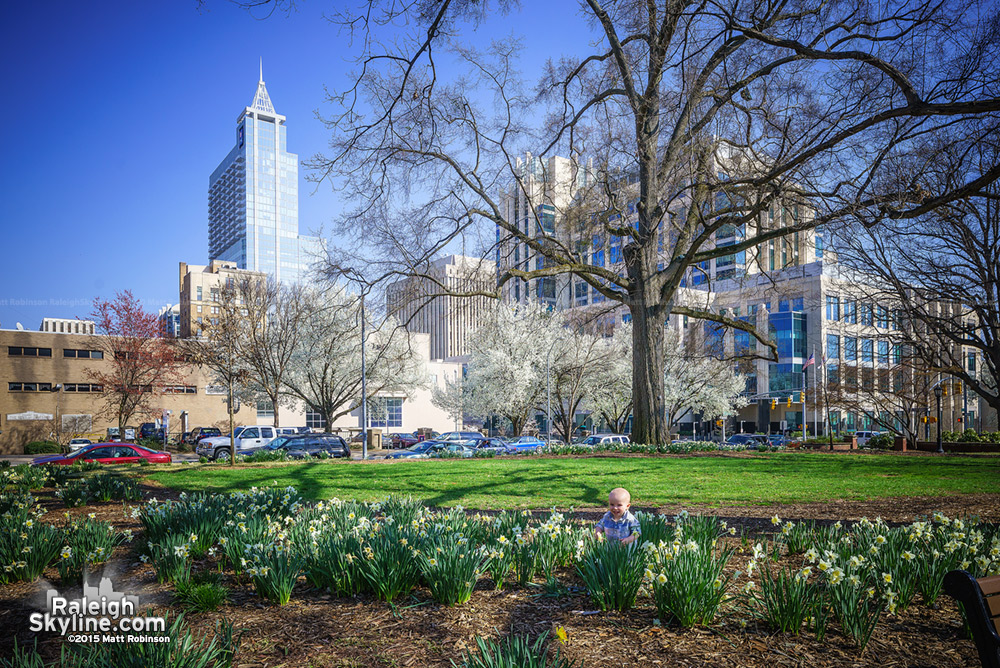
(422,446)
(277,443)
(592,440)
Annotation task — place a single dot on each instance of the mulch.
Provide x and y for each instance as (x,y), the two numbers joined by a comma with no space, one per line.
(317,630)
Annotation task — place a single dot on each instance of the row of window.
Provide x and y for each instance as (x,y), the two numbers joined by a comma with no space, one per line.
(31,351)
(852,312)
(868,349)
(47,387)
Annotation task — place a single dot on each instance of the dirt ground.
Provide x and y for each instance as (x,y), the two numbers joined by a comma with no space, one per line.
(317,630)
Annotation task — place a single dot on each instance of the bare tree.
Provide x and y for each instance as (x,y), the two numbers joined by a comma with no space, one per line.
(268,327)
(694,116)
(941,271)
(324,370)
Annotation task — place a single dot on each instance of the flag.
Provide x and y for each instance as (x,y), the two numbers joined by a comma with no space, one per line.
(809,362)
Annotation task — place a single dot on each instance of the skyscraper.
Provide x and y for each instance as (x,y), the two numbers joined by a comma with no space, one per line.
(253,198)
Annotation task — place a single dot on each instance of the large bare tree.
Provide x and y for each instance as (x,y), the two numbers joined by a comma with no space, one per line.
(689,116)
(941,271)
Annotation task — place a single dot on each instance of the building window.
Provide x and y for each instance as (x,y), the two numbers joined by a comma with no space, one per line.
(83,354)
(883,352)
(850,311)
(832,374)
(388,412)
(180,389)
(832,307)
(82,387)
(798,304)
(215,389)
(850,349)
(971,364)
(882,317)
(865,314)
(783,305)
(198,293)
(832,346)
(315,420)
(26,351)
(29,387)
(265,409)
(867,350)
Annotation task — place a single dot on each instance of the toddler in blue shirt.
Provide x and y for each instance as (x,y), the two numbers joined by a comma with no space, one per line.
(618,523)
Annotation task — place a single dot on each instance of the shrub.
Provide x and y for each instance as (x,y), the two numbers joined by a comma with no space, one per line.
(513,652)
(75,493)
(171,558)
(450,567)
(785,600)
(27,545)
(613,573)
(388,563)
(86,541)
(181,651)
(42,448)
(688,582)
(881,442)
(274,570)
(204,592)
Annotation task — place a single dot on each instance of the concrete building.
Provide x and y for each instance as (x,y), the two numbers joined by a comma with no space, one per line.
(449,321)
(48,394)
(170,320)
(67,326)
(200,289)
(253,199)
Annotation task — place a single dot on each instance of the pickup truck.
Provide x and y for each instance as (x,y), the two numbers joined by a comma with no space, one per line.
(247,440)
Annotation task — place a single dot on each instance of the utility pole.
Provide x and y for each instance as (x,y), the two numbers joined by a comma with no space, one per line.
(364,384)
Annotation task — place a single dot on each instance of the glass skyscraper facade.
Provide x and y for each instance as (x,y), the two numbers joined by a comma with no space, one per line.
(253,199)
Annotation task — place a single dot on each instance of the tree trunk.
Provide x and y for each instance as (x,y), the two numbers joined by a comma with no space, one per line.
(648,421)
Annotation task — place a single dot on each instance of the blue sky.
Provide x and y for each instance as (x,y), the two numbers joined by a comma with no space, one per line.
(117,113)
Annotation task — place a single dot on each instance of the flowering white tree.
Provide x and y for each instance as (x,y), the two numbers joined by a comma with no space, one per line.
(695,382)
(325,372)
(507,362)
(452,399)
(610,393)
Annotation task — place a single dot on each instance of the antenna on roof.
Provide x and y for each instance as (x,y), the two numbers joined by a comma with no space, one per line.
(20,327)
(261,70)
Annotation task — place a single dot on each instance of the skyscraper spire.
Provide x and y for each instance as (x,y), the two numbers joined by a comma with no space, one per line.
(261,100)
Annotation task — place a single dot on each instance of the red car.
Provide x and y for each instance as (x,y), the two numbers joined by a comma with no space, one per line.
(107,453)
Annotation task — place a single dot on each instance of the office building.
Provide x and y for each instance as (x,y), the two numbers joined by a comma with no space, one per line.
(201,288)
(449,321)
(253,206)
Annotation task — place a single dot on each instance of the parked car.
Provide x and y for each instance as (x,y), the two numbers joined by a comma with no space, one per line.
(460,436)
(522,443)
(780,440)
(416,450)
(748,439)
(496,445)
(303,446)
(864,436)
(403,440)
(77,443)
(107,453)
(199,433)
(605,439)
(246,439)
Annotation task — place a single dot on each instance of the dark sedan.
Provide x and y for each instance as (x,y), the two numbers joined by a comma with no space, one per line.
(107,453)
(303,446)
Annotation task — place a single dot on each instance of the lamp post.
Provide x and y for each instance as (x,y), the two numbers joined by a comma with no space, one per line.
(364,385)
(937,394)
(58,390)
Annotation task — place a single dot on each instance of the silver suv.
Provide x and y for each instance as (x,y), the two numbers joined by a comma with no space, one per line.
(605,439)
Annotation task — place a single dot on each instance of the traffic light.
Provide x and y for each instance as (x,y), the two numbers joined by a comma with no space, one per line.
(802,397)
(958,388)
(718,423)
(774,404)
(789,404)
(945,388)
(924,419)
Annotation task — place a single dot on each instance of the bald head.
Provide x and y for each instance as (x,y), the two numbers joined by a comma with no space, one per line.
(619,501)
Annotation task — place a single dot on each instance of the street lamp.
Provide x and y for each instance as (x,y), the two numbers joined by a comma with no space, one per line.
(937,394)
(58,390)
(364,384)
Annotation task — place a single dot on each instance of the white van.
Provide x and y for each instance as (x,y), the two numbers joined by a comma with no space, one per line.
(863,437)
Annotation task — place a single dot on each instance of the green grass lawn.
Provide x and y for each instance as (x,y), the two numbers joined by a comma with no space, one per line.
(531,482)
